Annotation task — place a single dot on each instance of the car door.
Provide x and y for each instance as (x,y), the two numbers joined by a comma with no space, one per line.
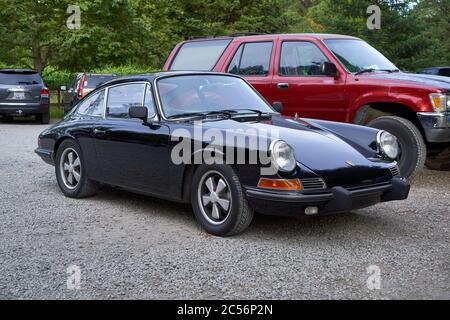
(252,60)
(299,85)
(132,153)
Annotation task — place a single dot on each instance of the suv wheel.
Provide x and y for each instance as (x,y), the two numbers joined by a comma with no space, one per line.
(412,146)
(44,118)
(218,201)
(71,172)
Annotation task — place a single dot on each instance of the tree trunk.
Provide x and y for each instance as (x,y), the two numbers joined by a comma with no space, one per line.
(37,57)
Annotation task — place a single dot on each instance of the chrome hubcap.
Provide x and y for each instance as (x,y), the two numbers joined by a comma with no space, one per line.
(70,167)
(214,197)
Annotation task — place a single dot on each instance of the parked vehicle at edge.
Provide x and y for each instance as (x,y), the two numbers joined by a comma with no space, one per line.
(333,77)
(81,85)
(122,133)
(23,93)
(436,71)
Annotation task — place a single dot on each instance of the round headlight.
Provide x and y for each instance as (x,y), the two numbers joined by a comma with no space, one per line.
(283,156)
(388,145)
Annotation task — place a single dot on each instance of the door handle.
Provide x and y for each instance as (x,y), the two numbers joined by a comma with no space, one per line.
(99,132)
(283,85)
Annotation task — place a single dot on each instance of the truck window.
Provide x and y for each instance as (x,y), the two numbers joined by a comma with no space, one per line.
(199,55)
(252,59)
(300,58)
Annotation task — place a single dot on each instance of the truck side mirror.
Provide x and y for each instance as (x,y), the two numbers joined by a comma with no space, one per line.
(328,69)
(277,106)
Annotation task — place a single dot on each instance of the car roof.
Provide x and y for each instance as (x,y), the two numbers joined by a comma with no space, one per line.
(14,70)
(312,36)
(152,76)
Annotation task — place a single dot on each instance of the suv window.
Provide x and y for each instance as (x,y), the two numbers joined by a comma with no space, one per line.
(93,105)
(199,55)
(252,59)
(122,97)
(300,58)
(93,81)
(19,78)
(445,72)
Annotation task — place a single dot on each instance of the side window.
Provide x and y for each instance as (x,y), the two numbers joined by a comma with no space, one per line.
(121,98)
(252,59)
(149,102)
(300,58)
(93,106)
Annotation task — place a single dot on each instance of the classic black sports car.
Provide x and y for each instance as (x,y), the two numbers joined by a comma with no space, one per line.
(211,140)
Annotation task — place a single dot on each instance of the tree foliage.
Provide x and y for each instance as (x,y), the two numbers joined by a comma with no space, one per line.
(413,34)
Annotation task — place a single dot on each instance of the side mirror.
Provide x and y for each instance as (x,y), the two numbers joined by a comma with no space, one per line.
(328,69)
(277,106)
(138,113)
(63,88)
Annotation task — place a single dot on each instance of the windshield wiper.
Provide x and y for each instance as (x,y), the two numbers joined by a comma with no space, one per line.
(370,70)
(191,115)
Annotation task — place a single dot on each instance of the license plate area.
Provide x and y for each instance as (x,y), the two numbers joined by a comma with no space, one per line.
(17,95)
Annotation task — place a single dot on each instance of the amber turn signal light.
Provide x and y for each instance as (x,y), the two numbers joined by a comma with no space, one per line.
(280,184)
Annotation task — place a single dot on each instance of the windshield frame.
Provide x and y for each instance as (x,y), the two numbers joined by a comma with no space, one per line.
(324,42)
(158,97)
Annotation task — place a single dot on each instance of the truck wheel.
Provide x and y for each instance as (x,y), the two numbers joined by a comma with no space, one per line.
(44,118)
(412,146)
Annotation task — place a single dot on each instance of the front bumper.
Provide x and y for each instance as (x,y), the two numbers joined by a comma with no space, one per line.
(336,200)
(45,155)
(436,126)
(23,109)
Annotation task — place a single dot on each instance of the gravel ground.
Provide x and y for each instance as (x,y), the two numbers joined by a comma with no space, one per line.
(130,246)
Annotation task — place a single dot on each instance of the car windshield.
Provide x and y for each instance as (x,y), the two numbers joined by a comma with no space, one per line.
(357,55)
(20,78)
(191,94)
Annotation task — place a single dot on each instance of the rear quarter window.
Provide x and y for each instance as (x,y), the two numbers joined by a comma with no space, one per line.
(199,55)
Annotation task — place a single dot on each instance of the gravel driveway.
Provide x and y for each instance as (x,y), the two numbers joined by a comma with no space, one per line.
(130,246)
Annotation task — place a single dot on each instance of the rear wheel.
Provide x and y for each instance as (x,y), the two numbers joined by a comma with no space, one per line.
(71,171)
(218,201)
(44,118)
(412,146)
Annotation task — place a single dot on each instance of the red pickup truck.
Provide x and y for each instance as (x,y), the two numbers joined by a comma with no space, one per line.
(333,77)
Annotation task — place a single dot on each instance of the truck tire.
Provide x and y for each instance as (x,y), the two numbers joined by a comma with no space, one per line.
(413,149)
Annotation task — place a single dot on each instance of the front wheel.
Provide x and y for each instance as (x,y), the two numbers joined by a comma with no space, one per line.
(218,201)
(71,171)
(412,146)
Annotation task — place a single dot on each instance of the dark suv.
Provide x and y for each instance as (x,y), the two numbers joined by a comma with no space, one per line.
(81,85)
(22,93)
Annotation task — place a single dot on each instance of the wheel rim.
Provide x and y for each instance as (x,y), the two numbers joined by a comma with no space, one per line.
(70,168)
(214,197)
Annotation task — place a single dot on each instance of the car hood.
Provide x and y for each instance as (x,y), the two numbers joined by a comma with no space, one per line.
(428,80)
(316,148)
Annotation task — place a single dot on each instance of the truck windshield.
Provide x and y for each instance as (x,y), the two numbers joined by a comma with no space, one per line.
(199,94)
(357,55)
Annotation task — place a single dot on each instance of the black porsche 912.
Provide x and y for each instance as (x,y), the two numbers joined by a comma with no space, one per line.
(168,135)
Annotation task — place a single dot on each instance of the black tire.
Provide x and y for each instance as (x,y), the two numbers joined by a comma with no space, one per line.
(412,144)
(44,118)
(239,215)
(84,187)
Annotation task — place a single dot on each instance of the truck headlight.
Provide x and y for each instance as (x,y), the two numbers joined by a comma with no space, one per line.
(388,145)
(282,156)
(440,102)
